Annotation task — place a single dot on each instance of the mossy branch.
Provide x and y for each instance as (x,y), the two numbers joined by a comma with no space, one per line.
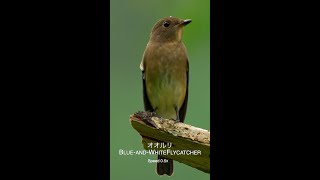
(182,136)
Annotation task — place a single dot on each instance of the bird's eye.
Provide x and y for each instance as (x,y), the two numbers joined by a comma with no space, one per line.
(166,24)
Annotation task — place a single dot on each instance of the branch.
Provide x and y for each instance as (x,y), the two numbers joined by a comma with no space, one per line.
(155,129)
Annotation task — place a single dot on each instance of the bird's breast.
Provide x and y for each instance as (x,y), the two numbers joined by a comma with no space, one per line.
(166,80)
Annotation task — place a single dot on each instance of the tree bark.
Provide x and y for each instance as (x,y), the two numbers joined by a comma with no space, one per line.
(189,145)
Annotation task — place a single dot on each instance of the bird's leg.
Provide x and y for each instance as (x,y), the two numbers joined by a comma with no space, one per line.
(177,112)
(153,112)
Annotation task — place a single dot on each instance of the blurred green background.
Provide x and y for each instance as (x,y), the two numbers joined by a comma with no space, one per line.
(131,24)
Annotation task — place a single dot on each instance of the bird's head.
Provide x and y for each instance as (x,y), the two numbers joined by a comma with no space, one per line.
(168,29)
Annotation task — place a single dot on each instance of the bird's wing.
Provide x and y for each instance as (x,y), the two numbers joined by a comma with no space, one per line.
(147,104)
(183,109)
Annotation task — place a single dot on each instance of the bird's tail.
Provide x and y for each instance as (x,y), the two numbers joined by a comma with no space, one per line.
(164,166)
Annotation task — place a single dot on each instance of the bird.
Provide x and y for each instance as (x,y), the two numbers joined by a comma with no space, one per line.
(165,76)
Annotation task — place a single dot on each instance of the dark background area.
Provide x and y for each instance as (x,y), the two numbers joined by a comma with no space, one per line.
(56,90)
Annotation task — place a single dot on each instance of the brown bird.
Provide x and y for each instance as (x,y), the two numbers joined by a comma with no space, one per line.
(165,76)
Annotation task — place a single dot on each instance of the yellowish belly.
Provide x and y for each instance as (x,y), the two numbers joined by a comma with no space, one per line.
(166,91)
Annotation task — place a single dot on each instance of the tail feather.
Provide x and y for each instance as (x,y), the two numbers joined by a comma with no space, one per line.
(164,166)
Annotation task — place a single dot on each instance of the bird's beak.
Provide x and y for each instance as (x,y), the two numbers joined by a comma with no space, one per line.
(185,22)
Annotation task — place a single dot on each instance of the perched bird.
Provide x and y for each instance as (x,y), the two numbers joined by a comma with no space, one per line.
(165,76)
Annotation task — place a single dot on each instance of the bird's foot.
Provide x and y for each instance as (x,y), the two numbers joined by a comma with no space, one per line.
(175,120)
